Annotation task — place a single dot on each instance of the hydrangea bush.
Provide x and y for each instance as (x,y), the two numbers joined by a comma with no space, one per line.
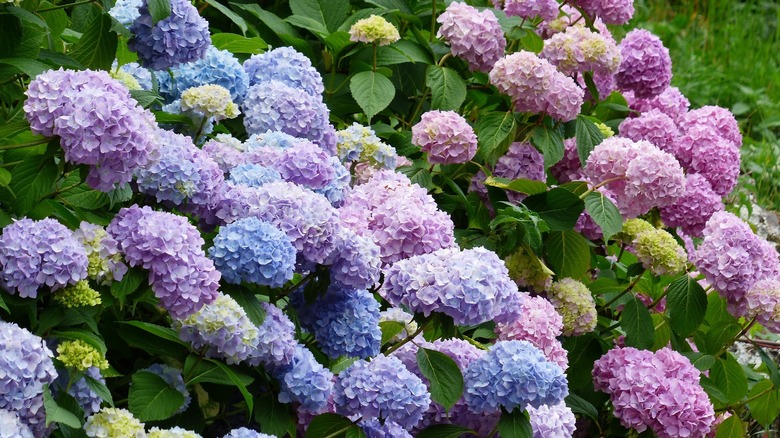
(369,219)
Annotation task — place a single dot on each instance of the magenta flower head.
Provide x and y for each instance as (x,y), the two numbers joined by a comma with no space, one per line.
(446,137)
(763,302)
(694,208)
(610,11)
(646,68)
(702,150)
(473,35)
(671,102)
(653,126)
(580,49)
(529,9)
(717,118)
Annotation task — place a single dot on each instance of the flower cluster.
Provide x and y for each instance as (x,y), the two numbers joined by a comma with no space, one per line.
(356,262)
(526,270)
(694,208)
(552,420)
(646,67)
(114,422)
(304,380)
(536,86)
(529,9)
(104,260)
(653,126)
(125,11)
(286,65)
(574,302)
(12,425)
(213,101)
(657,390)
(702,150)
(374,30)
(226,153)
(671,102)
(253,175)
(717,118)
(521,160)
(81,356)
(762,301)
(579,49)
(610,11)
(474,36)
(243,432)
(657,250)
(175,432)
(80,390)
(446,137)
(40,253)
(217,67)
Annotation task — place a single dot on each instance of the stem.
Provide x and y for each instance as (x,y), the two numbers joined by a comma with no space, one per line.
(200,128)
(601,184)
(739,335)
(375,50)
(746,401)
(407,339)
(610,328)
(418,109)
(444,58)
(433,21)
(7,147)
(630,286)
(761,343)
(12,163)
(54,8)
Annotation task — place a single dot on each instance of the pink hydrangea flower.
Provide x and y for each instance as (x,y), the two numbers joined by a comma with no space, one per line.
(474,36)
(646,68)
(446,137)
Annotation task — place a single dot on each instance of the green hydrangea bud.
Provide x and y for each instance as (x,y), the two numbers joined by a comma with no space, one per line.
(374,29)
(80,355)
(211,100)
(659,252)
(78,295)
(527,270)
(574,302)
(114,423)
(126,79)
(606,131)
(632,228)
(176,432)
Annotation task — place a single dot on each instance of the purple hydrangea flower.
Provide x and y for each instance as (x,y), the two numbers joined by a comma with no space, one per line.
(88,399)
(552,421)
(569,168)
(474,35)
(610,11)
(536,86)
(12,426)
(270,139)
(253,175)
(382,389)
(390,429)
(717,118)
(306,164)
(653,126)
(243,432)
(513,374)
(217,67)
(233,202)
(104,261)
(446,137)
(140,74)
(286,65)
(337,188)
(356,261)
(276,345)
(25,367)
(522,160)
(762,301)
(185,283)
(181,37)
(540,324)
(38,253)
(304,381)
(579,49)
(646,68)
(471,286)
(174,379)
(225,151)
(707,153)
(694,208)
(671,102)
(529,9)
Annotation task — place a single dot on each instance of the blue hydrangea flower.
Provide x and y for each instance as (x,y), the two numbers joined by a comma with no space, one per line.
(38,253)
(140,74)
(12,427)
(344,321)
(336,189)
(181,37)
(286,65)
(125,11)
(243,432)
(174,379)
(383,389)
(253,175)
(356,262)
(218,67)
(275,338)
(352,141)
(513,374)
(25,367)
(275,106)
(88,399)
(374,429)
(255,252)
(196,119)
(304,381)
(275,139)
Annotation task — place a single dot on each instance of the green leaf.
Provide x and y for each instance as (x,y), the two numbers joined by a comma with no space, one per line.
(83,335)
(197,370)
(307,23)
(558,207)
(159,10)
(100,389)
(515,424)
(493,132)
(129,284)
(636,321)
(5,177)
(728,375)
(235,18)
(355,432)
(119,195)
(30,67)
(402,51)
(400,5)
(328,425)
(732,427)
(579,405)
(237,382)
(161,332)
(686,304)
(588,137)
(701,361)
(771,366)
(249,302)
(146,98)
(568,253)
(33,179)
(274,417)
(82,196)
(531,41)
(604,213)
(448,89)
(151,398)
(235,43)
(372,91)
(444,375)
(331,13)
(764,408)
(520,185)
(97,47)
(445,431)
(56,413)
(390,329)
(550,142)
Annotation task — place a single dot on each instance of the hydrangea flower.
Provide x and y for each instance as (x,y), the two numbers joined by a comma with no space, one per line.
(304,381)
(286,65)
(12,425)
(40,253)
(88,399)
(536,86)
(179,38)
(26,366)
(610,11)
(217,67)
(646,68)
(538,323)
(521,160)
(114,422)
(227,157)
(253,175)
(529,9)
(653,126)
(176,432)
(356,262)
(306,164)
(513,374)
(174,379)
(275,342)
(471,286)
(213,101)
(717,118)
(474,35)
(380,155)
(104,260)
(337,188)
(659,252)
(574,302)
(374,29)
(80,355)
(446,137)
(579,49)
(126,11)
(552,421)
(255,252)
(763,302)
(702,150)
(126,79)
(343,321)
(526,270)
(390,429)
(353,140)
(141,75)
(569,168)
(671,102)
(382,389)
(243,432)
(400,316)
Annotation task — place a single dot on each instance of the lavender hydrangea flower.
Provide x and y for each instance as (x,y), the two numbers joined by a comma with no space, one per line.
(539,324)
(243,432)
(446,137)
(126,11)
(521,160)
(701,150)
(356,261)
(762,301)
(88,399)
(646,68)
(276,345)
(217,67)
(610,11)
(270,139)
(224,154)
(671,102)
(12,425)
(474,35)
(179,38)
(390,429)
(552,421)
(513,374)
(286,65)
(694,208)
(174,432)
(720,119)
(529,9)
(337,188)
(306,164)
(104,261)
(569,168)
(653,126)
(26,364)
(253,175)
(255,252)
(304,381)
(579,49)
(343,321)
(471,286)
(536,86)
(383,389)
(38,253)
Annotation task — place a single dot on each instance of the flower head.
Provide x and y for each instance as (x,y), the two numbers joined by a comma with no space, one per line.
(539,323)
(717,118)
(694,208)
(526,269)
(210,100)
(574,302)
(12,426)
(763,302)
(653,126)
(521,160)
(243,432)
(646,68)
(671,102)
(286,65)
(610,11)
(474,35)
(80,355)
(217,67)
(176,432)
(552,420)
(446,137)
(579,49)
(356,261)
(114,422)
(659,252)
(78,295)
(125,11)
(374,29)
(702,150)
(304,380)
(529,9)
(104,260)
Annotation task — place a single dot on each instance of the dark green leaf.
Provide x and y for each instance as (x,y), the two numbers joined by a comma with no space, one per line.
(82,196)
(579,405)
(197,370)
(146,98)
(33,179)
(97,47)
(604,213)
(83,335)
(493,132)
(151,398)
(636,321)
(515,424)
(701,361)
(274,417)
(444,375)
(728,375)
(250,303)
(119,195)
(159,10)
(448,89)
(532,42)
(527,186)
(235,18)
(331,13)
(390,329)
(237,382)
(399,5)
(588,137)
(732,427)
(161,332)
(771,366)
(686,304)
(355,432)
(402,51)
(100,389)
(568,253)
(717,337)
(235,43)
(5,177)
(559,208)
(764,408)
(30,67)
(445,431)
(129,284)
(372,91)
(56,413)
(419,174)
(328,425)
(307,23)
(550,142)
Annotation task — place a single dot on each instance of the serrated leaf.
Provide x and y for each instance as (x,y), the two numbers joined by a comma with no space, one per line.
(146,98)
(307,23)
(129,284)
(550,142)
(493,133)
(771,366)
(568,253)
(604,213)
(515,424)
(728,375)
(5,177)
(444,375)
(151,398)
(588,137)
(161,332)
(328,425)
(97,47)
(331,13)
(402,51)
(197,370)
(237,382)
(448,89)
(30,67)
(531,41)
(686,304)
(764,408)
(159,10)
(636,321)
(33,179)
(372,91)
(445,431)
(56,413)
(83,196)
(235,43)
(390,329)
(732,427)
(559,208)
(579,405)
